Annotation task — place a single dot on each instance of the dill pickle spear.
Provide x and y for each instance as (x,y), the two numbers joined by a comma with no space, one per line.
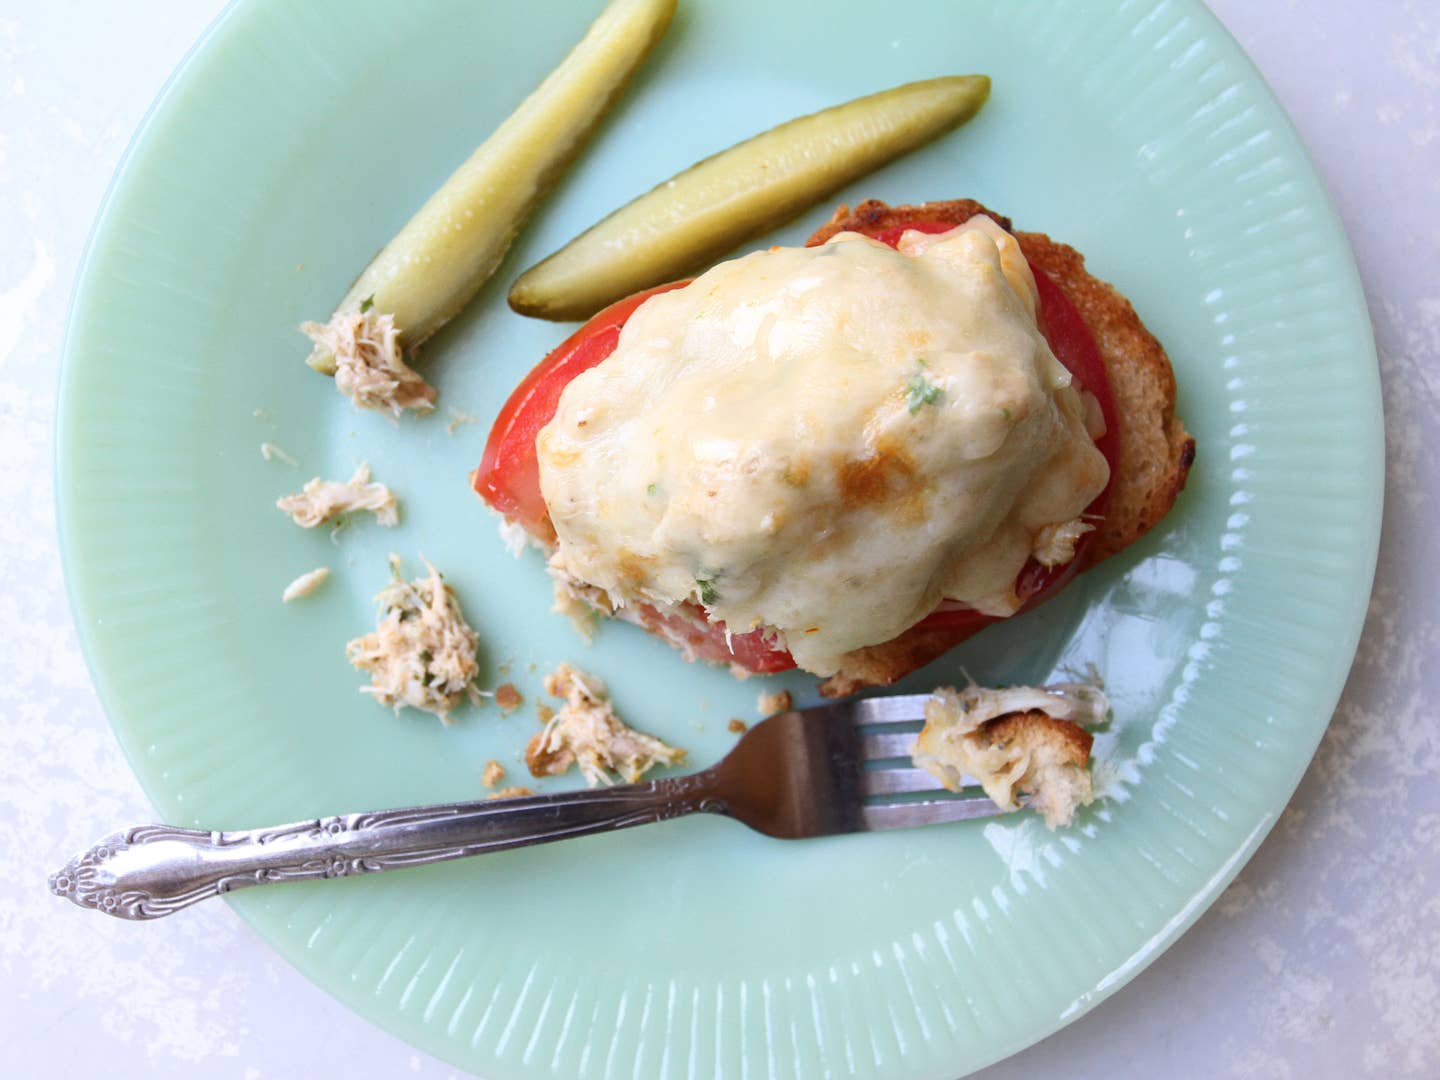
(446,252)
(740,193)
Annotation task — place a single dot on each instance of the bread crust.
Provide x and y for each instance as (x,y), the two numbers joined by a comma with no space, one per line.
(1068,739)
(1154,451)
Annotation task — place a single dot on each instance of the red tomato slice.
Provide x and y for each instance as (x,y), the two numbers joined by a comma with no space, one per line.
(508,477)
(707,640)
(509,474)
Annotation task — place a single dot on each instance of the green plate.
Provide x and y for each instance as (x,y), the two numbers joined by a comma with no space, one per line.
(296,138)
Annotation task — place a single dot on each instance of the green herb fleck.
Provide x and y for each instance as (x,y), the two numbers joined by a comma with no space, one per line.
(708,595)
(922,392)
(367,303)
(651,489)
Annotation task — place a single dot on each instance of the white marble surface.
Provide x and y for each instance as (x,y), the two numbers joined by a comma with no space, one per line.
(1322,960)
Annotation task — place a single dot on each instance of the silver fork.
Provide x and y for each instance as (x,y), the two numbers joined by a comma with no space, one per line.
(839,768)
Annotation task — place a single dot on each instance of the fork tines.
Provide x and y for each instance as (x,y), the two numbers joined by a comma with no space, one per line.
(887,727)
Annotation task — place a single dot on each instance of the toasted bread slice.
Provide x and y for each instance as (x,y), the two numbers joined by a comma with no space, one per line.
(1154,452)
(1026,753)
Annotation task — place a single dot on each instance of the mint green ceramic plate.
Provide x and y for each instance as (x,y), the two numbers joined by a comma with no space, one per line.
(297,138)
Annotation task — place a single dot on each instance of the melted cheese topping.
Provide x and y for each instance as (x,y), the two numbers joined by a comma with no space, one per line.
(825,442)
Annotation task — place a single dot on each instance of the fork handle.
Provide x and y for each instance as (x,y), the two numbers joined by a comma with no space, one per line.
(148,871)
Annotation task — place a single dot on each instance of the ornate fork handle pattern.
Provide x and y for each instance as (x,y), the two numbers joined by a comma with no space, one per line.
(148,871)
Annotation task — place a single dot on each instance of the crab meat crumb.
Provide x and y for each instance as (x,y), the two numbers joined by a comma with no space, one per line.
(368,363)
(320,500)
(579,602)
(586,732)
(422,654)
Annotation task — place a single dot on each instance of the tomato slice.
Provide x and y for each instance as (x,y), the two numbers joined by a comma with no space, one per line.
(508,477)
(509,474)
(692,628)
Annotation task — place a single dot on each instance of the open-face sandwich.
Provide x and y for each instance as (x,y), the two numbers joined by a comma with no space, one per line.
(847,457)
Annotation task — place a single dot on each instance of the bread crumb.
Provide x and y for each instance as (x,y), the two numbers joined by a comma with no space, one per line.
(320,500)
(1016,741)
(270,452)
(510,793)
(771,704)
(543,712)
(508,698)
(305,584)
(493,774)
(737,726)
(582,604)
(841,685)
(587,732)
(422,653)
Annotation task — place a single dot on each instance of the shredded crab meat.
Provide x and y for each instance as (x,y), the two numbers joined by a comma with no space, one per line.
(516,539)
(270,452)
(320,500)
(370,367)
(586,732)
(422,654)
(999,738)
(582,604)
(305,584)
(1055,544)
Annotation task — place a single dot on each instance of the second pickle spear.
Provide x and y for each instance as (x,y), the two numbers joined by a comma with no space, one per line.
(740,193)
(437,262)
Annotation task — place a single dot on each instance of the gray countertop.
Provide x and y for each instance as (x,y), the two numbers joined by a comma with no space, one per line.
(1321,960)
